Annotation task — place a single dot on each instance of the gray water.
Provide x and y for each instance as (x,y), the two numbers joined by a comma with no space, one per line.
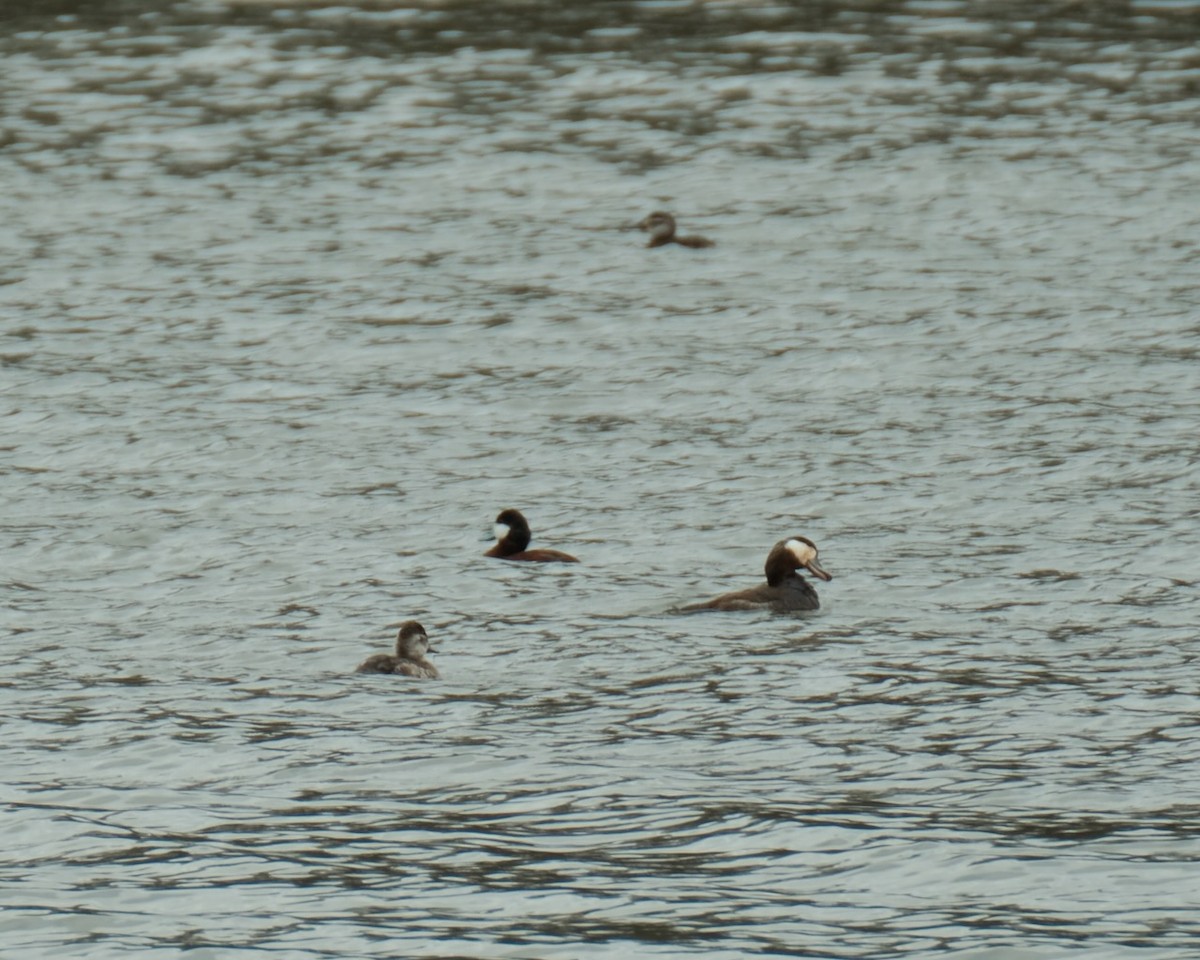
(294,300)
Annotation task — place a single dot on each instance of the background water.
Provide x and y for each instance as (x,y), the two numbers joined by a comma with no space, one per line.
(295,299)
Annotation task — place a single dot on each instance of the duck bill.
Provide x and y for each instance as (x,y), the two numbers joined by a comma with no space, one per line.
(817,570)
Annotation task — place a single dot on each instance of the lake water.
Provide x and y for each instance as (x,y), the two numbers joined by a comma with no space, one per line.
(294,299)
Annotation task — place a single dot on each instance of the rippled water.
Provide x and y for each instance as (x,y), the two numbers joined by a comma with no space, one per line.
(294,299)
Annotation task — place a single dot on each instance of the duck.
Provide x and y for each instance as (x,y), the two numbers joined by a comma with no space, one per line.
(661,227)
(785,590)
(412,644)
(512,541)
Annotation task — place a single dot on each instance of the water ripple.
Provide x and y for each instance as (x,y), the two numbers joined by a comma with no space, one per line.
(299,297)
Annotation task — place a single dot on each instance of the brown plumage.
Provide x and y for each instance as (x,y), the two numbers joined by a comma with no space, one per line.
(785,590)
(512,541)
(409,660)
(661,227)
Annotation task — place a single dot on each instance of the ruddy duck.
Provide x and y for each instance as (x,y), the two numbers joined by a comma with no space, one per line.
(411,646)
(661,227)
(512,541)
(785,590)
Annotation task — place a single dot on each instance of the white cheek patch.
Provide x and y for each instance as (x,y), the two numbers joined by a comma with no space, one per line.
(801,551)
(501,531)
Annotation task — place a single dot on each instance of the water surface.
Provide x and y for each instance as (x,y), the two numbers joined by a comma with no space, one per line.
(294,299)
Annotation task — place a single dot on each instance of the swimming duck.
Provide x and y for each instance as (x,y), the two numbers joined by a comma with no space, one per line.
(409,661)
(661,227)
(785,590)
(512,541)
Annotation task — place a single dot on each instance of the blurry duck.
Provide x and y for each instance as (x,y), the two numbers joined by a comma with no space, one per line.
(512,541)
(661,227)
(785,590)
(409,660)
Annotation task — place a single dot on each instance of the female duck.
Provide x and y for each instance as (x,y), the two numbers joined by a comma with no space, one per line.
(411,647)
(512,541)
(785,590)
(661,227)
